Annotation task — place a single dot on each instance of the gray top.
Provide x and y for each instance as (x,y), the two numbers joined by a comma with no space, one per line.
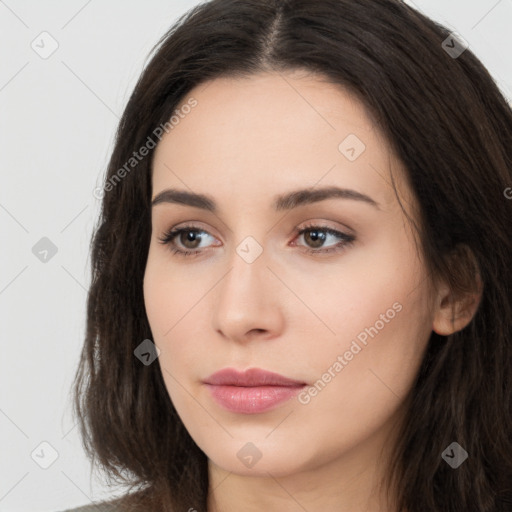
(94,507)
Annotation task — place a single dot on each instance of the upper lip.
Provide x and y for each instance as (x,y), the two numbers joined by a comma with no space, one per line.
(252,377)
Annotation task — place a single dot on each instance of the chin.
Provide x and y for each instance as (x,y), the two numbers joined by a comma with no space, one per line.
(257,458)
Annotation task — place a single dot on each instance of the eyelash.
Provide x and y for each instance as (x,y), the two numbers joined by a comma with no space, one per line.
(169,236)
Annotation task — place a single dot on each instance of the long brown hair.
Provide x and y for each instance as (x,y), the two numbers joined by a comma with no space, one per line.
(446,119)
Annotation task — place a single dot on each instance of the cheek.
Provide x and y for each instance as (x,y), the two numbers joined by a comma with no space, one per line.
(158,302)
(168,299)
(380,323)
(173,308)
(165,306)
(357,386)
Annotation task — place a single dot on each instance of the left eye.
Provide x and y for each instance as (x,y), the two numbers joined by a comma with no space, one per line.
(316,235)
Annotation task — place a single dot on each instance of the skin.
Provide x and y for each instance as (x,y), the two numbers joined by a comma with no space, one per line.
(289,311)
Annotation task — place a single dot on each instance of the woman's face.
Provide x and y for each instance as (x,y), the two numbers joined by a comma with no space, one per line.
(344,314)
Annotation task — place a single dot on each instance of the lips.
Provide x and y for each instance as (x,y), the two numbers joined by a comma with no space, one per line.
(250,378)
(252,391)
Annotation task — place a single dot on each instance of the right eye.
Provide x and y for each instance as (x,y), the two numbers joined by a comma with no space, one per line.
(193,235)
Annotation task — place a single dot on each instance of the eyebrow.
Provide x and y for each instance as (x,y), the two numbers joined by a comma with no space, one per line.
(286,201)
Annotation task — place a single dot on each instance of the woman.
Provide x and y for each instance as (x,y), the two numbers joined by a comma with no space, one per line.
(301,294)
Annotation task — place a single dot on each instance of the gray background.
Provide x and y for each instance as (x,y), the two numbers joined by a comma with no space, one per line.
(57,121)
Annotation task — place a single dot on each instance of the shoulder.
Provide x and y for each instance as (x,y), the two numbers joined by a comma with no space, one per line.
(139,501)
(96,507)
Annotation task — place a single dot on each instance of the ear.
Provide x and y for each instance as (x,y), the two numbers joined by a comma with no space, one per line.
(454,311)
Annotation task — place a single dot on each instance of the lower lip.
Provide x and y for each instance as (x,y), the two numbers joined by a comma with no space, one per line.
(252,400)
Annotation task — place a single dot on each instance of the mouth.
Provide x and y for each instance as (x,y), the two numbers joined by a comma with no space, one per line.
(252,391)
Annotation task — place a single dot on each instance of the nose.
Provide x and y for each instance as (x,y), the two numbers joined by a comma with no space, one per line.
(247,304)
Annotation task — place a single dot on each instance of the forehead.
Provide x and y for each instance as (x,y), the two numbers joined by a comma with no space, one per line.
(272,132)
